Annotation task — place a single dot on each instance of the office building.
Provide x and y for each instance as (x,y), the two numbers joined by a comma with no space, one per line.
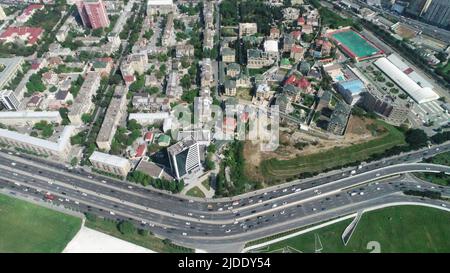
(83,102)
(9,100)
(60,149)
(115,111)
(21,118)
(184,158)
(110,163)
(438,13)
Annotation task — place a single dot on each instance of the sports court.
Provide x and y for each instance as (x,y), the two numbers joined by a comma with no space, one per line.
(355,44)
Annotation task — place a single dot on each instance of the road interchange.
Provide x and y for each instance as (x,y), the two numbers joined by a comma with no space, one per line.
(194,223)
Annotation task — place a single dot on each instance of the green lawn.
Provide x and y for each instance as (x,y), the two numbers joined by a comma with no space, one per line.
(205,184)
(275,169)
(397,229)
(148,241)
(195,192)
(26,227)
(437,178)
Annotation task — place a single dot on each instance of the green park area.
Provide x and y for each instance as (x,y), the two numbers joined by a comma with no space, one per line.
(406,229)
(336,157)
(195,192)
(129,233)
(26,227)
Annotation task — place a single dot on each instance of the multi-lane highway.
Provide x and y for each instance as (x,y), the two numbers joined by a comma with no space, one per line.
(212,223)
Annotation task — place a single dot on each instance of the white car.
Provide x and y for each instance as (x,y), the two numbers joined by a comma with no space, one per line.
(378,188)
(274,205)
(184,234)
(84,194)
(282,212)
(76,202)
(297,190)
(285,190)
(418,186)
(143,222)
(13,163)
(377,175)
(228,231)
(220,209)
(444,205)
(361,193)
(190,213)
(188,224)
(112,213)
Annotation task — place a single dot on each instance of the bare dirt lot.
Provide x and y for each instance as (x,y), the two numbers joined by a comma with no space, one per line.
(294,144)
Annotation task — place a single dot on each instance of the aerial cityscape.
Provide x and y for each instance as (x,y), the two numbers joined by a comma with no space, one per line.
(224,126)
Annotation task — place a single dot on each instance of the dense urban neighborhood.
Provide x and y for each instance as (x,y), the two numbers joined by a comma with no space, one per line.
(225,126)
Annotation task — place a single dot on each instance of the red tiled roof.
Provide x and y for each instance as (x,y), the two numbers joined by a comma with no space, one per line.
(105,60)
(128,78)
(245,116)
(229,124)
(27,12)
(296,49)
(148,136)
(296,34)
(32,32)
(291,79)
(140,150)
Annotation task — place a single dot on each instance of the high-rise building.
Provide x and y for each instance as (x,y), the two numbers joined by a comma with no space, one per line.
(438,13)
(9,100)
(418,7)
(93,13)
(184,158)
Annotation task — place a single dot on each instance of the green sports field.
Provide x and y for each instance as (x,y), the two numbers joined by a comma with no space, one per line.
(396,229)
(355,43)
(26,227)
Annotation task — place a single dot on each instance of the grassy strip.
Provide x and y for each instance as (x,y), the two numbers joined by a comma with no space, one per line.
(397,229)
(195,192)
(145,240)
(26,227)
(274,168)
(437,178)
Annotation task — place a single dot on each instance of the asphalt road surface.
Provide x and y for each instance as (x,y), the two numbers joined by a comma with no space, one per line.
(211,223)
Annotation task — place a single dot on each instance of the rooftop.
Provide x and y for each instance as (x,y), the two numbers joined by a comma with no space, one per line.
(109,159)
